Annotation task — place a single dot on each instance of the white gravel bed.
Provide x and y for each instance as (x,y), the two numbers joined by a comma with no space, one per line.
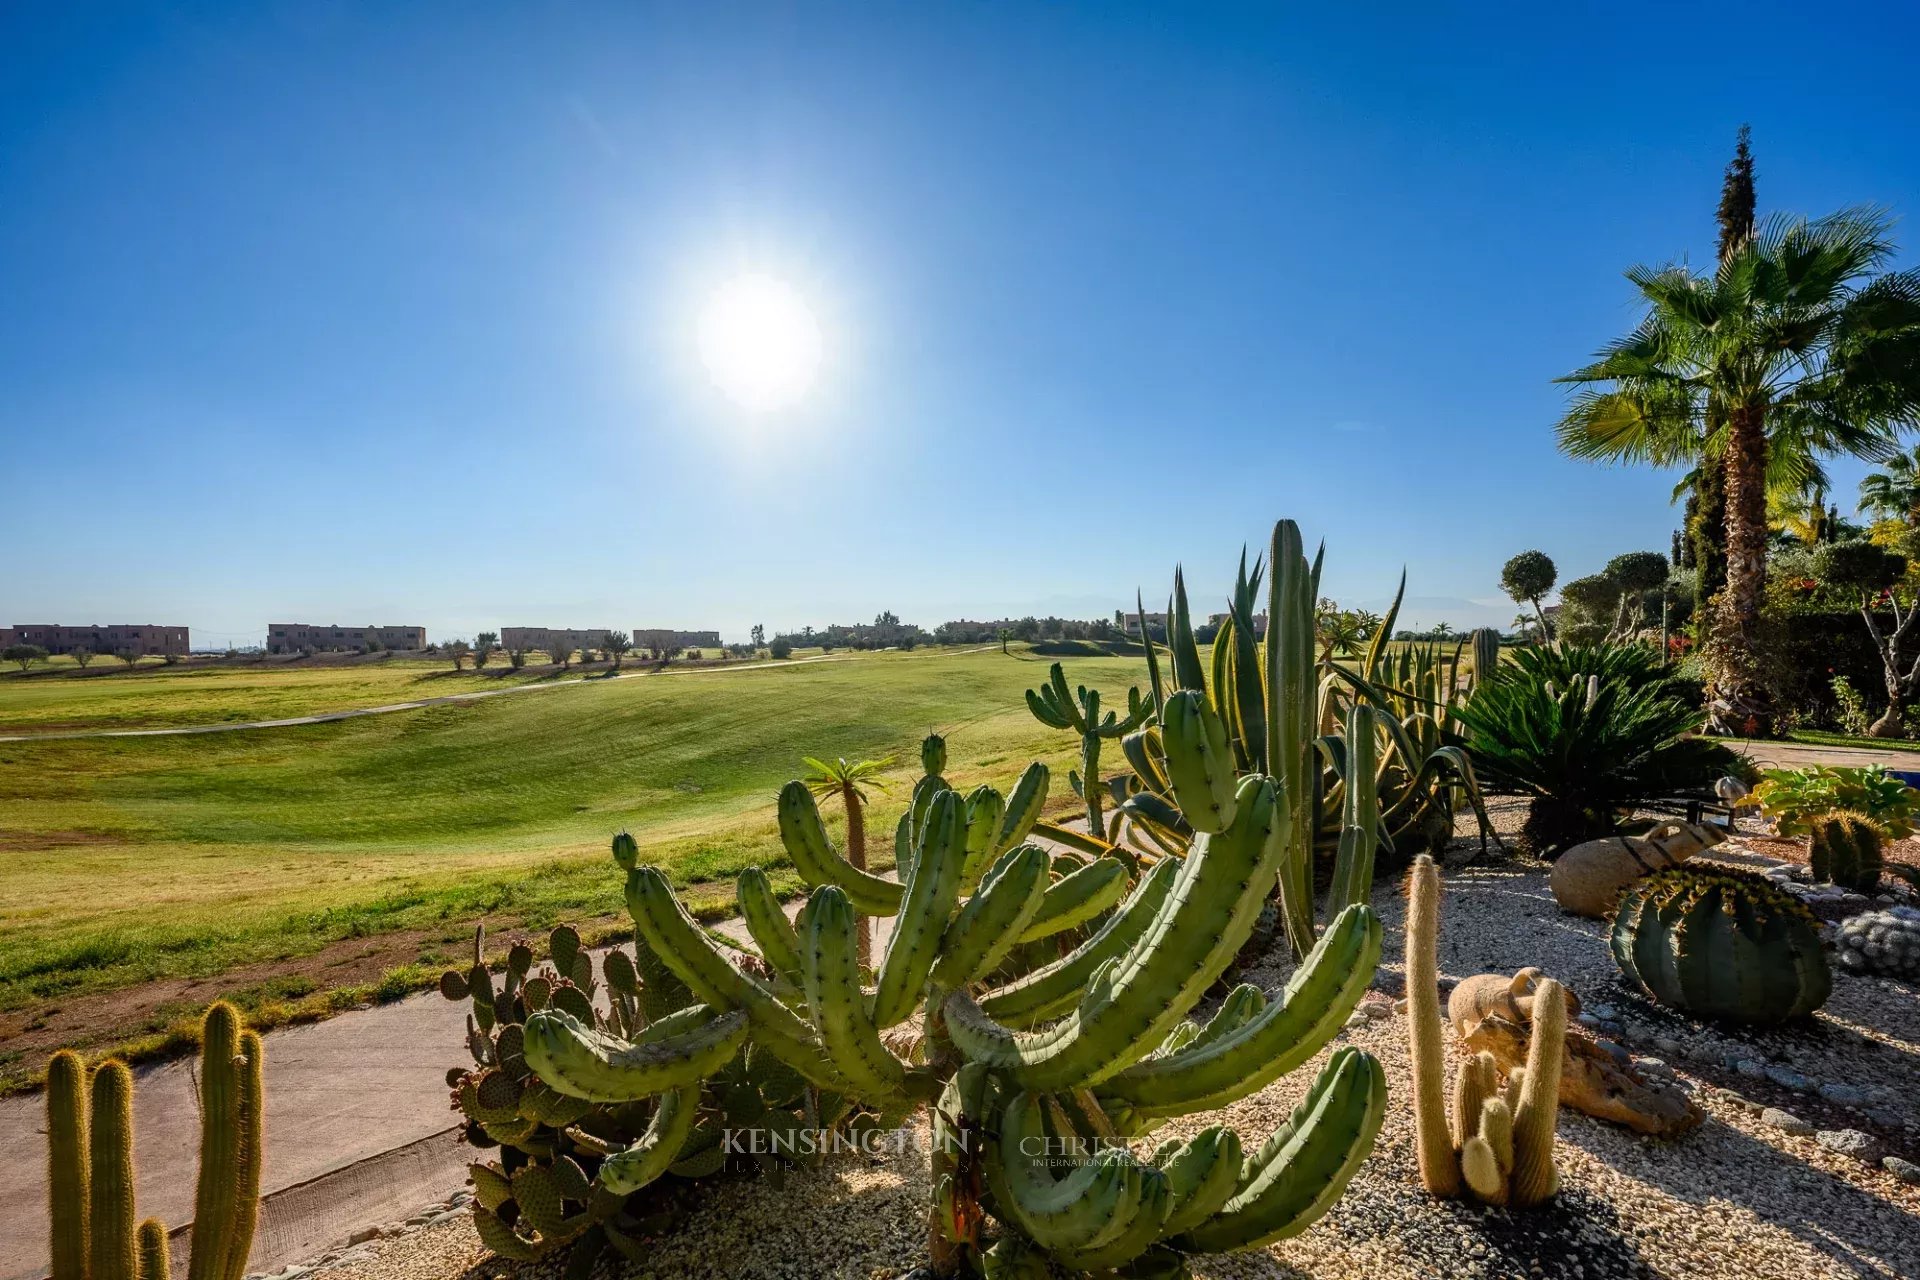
(1746,1195)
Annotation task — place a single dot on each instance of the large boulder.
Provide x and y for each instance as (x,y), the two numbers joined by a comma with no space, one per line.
(1588,878)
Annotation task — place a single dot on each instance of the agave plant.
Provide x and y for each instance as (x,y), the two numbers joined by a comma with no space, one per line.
(1587,749)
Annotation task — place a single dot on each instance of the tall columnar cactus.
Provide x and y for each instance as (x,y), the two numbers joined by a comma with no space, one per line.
(1486,653)
(1721,943)
(1095,1044)
(1846,849)
(1059,706)
(91,1175)
(1499,1145)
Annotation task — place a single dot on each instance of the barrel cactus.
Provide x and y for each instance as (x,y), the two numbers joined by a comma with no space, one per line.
(90,1163)
(1721,943)
(1846,849)
(1881,942)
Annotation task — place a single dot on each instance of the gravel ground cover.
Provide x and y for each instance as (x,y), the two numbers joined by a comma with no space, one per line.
(1806,1167)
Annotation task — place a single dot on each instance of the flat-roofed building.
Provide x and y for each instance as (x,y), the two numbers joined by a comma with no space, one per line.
(668,638)
(118,637)
(546,638)
(297,637)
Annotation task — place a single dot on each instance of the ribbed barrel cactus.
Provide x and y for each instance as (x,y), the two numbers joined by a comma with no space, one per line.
(1721,943)
(1846,849)
(94,1235)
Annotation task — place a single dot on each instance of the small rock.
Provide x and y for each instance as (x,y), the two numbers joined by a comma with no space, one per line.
(1616,1052)
(1586,1020)
(1844,1095)
(1356,1020)
(1785,1121)
(1905,1170)
(1752,1068)
(363,1235)
(1669,1046)
(1653,1067)
(1400,1006)
(1787,1078)
(1851,1142)
(1377,1010)
(1886,1117)
(1605,1012)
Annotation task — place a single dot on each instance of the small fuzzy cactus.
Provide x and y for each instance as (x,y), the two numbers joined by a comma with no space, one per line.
(90,1163)
(1881,942)
(1499,1144)
(1846,849)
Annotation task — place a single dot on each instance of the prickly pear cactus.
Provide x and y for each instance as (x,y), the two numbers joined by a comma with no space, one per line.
(567,1168)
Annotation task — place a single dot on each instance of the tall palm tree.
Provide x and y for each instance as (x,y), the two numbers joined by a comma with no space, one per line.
(849,781)
(1792,349)
(1894,492)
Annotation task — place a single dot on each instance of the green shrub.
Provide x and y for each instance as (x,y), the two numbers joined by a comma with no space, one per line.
(1793,798)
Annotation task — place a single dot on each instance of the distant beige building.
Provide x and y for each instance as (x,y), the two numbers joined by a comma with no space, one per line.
(123,637)
(296,637)
(667,638)
(545,638)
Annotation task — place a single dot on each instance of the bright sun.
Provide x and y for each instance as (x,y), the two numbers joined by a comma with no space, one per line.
(760,343)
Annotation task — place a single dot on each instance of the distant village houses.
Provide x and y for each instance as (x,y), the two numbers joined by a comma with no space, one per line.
(665,638)
(114,638)
(551,640)
(303,637)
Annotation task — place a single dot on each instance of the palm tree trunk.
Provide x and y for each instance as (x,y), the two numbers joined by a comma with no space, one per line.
(857,856)
(1738,704)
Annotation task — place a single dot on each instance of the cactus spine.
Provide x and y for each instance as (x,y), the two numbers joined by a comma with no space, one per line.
(1499,1147)
(1845,849)
(90,1159)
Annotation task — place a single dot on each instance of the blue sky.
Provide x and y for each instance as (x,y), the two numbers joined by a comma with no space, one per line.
(357,313)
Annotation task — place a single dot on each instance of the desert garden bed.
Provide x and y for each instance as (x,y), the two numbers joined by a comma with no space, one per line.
(1797,1170)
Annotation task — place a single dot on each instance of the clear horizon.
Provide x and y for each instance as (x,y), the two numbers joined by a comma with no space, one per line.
(337,313)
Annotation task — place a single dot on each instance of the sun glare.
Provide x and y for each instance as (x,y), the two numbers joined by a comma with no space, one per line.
(760,343)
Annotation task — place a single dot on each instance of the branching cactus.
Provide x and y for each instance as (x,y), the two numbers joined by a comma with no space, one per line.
(1059,706)
(1499,1144)
(90,1163)
(1094,1045)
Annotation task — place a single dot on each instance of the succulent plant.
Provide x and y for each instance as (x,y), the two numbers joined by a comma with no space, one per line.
(90,1163)
(1286,713)
(1058,706)
(1881,942)
(1499,1143)
(1845,849)
(1094,1043)
(1721,943)
(568,1167)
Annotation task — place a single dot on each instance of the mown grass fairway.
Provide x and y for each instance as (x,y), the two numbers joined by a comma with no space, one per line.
(134,859)
(152,696)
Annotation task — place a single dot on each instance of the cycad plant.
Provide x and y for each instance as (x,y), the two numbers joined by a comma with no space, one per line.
(1588,748)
